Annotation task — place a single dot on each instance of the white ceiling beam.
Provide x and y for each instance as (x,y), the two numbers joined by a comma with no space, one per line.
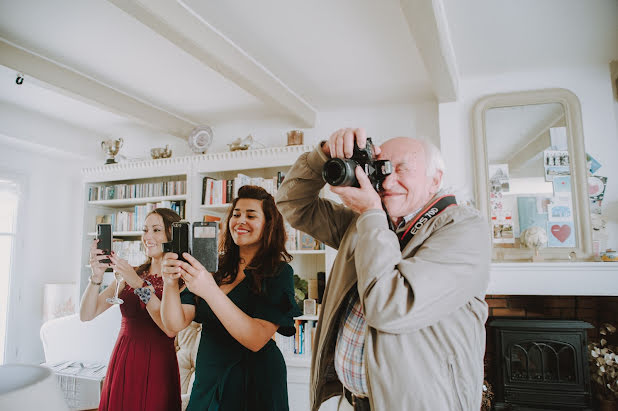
(184,28)
(62,79)
(429,27)
(539,140)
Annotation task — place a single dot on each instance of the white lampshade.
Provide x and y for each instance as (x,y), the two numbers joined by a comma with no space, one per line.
(30,387)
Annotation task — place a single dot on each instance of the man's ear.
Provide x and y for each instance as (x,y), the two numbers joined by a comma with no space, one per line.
(436,181)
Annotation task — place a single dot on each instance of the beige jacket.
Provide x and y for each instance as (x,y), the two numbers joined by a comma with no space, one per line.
(424,307)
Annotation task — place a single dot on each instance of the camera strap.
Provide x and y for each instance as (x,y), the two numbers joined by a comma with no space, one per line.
(423,217)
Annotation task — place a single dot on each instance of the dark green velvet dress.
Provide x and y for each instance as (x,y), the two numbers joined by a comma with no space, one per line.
(231,377)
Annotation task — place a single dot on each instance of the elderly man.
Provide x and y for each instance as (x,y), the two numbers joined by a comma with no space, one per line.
(403,313)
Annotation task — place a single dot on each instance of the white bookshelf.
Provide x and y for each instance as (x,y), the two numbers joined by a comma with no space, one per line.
(192,169)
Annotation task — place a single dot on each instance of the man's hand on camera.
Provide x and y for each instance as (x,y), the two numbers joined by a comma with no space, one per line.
(341,142)
(359,199)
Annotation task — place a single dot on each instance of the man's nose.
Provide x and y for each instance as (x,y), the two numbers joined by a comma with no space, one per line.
(389,181)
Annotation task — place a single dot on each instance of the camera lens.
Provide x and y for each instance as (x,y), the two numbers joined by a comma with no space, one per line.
(340,172)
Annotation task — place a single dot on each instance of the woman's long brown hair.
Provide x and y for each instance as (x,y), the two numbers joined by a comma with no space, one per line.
(168,216)
(272,246)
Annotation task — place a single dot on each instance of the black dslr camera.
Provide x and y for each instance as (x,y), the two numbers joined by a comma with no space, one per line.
(340,171)
(201,244)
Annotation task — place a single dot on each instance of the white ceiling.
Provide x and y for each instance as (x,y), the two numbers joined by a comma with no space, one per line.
(501,36)
(167,66)
(510,129)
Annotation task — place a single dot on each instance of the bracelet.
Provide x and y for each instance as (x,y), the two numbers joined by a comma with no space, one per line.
(144,293)
(92,282)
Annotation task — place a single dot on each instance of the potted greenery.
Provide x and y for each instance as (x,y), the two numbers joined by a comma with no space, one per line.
(603,359)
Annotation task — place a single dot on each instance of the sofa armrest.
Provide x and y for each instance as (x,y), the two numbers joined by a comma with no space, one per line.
(187,342)
(68,338)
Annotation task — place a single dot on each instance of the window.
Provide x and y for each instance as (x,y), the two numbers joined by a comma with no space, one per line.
(9,196)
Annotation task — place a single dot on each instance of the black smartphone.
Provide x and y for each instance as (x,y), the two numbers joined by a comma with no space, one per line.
(104,235)
(180,240)
(205,244)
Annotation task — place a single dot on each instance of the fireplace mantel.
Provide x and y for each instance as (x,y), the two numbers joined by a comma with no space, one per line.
(556,278)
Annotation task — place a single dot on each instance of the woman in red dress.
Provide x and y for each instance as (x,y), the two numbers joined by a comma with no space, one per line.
(143,370)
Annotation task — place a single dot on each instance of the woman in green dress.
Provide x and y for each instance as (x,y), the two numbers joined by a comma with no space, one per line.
(241,306)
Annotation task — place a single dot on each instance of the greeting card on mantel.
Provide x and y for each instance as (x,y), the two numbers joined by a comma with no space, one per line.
(560,234)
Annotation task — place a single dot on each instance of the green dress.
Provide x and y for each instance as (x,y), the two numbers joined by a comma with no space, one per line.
(229,376)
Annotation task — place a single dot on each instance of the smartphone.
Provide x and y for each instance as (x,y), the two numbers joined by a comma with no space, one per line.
(205,244)
(104,235)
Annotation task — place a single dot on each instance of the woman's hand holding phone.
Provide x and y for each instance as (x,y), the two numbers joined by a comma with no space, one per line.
(198,280)
(170,269)
(98,268)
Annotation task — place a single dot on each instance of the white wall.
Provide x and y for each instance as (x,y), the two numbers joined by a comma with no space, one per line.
(591,84)
(48,237)
(380,122)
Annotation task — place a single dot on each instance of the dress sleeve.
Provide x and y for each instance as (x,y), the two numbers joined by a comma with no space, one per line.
(187,297)
(277,304)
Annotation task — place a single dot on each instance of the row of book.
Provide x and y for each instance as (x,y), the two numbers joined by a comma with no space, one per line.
(142,190)
(134,220)
(301,342)
(130,251)
(298,240)
(223,191)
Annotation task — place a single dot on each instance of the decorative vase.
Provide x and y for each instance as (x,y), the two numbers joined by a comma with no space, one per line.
(608,405)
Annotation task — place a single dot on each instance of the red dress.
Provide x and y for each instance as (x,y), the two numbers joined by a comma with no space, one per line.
(143,370)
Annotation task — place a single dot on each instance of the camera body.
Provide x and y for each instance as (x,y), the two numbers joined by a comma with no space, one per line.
(198,239)
(340,171)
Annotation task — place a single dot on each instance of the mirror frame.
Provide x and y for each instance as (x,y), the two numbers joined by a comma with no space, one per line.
(579,174)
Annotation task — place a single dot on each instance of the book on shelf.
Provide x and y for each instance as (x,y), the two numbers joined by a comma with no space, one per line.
(280,178)
(305,241)
(138,190)
(290,237)
(130,251)
(208,218)
(105,219)
(124,220)
(301,343)
(224,191)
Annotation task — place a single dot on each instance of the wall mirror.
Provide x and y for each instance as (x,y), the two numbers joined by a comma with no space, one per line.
(531,175)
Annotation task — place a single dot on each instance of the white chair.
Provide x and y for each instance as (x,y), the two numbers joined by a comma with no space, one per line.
(69,339)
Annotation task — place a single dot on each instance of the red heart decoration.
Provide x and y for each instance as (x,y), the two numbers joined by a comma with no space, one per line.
(561,232)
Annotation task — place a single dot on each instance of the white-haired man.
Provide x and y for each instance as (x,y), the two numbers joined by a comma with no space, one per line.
(403,313)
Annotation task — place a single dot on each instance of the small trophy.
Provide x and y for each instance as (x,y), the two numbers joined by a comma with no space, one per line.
(111,148)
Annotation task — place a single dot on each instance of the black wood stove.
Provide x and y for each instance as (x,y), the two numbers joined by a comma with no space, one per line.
(542,365)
